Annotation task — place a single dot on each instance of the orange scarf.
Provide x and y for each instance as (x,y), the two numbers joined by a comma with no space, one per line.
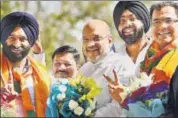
(41,84)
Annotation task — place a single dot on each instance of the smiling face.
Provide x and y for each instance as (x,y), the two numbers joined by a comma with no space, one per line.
(64,65)
(165,26)
(130,28)
(96,40)
(16,46)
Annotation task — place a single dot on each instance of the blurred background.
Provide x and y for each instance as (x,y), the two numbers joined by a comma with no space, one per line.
(61,22)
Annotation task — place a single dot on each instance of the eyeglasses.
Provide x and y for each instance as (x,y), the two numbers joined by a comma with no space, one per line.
(94,39)
(168,21)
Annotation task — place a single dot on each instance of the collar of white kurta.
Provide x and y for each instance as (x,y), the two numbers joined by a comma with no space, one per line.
(105,62)
(141,54)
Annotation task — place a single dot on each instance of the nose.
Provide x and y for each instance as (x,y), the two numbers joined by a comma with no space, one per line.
(62,67)
(127,23)
(91,43)
(17,43)
(163,25)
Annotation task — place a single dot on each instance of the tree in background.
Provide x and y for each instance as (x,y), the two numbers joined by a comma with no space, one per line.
(63,25)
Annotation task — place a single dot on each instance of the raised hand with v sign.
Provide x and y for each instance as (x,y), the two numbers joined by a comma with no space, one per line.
(115,88)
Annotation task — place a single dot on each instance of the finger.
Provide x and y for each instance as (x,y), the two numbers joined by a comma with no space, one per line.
(115,77)
(111,91)
(8,90)
(6,93)
(4,97)
(107,78)
(10,87)
(5,90)
(111,86)
(14,93)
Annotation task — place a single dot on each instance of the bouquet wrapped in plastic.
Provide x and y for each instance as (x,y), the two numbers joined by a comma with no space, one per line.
(73,98)
(147,100)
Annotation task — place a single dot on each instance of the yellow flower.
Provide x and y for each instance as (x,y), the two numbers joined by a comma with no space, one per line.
(94,89)
(88,83)
(75,81)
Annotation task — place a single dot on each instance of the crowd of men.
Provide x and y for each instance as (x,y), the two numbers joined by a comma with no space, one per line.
(25,80)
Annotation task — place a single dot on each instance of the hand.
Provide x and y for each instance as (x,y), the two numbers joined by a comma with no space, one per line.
(37,47)
(8,93)
(114,87)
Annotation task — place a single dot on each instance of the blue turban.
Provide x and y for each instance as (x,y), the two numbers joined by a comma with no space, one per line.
(25,20)
(137,8)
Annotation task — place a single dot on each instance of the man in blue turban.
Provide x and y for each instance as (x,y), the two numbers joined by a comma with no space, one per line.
(30,28)
(25,82)
(132,21)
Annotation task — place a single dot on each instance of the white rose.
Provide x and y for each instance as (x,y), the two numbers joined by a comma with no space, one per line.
(93,104)
(64,81)
(88,111)
(61,96)
(73,104)
(78,111)
(145,79)
(62,88)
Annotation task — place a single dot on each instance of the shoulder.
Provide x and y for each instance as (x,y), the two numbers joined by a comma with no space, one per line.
(169,62)
(122,50)
(41,68)
(86,68)
(115,57)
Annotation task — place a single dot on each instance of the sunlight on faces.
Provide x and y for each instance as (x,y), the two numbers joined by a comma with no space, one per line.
(130,28)
(16,46)
(96,40)
(165,32)
(64,66)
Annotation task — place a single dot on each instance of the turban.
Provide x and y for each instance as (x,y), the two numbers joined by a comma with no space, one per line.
(137,8)
(23,19)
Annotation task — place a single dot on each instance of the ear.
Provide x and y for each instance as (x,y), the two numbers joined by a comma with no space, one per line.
(78,67)
(110,38)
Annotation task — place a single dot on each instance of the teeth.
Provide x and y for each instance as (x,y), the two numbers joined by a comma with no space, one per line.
(127,30)
(91,49)
(164,33)
(16,50)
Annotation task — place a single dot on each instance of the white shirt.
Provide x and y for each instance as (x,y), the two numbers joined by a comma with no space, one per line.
(40,57)
(131,68)
(103,66)
(126,70)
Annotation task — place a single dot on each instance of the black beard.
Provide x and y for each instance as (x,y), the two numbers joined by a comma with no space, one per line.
(13,57)
(133,38)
